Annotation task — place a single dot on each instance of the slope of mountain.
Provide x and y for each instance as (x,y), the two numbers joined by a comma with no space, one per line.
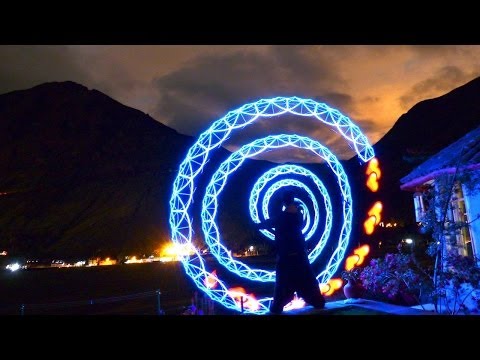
(81,173)
(425,129)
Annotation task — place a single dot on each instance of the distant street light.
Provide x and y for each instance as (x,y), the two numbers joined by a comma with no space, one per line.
(409,241)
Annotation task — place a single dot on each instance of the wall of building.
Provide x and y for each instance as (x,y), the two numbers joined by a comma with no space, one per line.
(472,203)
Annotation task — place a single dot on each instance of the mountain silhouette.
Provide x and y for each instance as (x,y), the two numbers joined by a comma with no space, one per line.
(82,175)
(425,129)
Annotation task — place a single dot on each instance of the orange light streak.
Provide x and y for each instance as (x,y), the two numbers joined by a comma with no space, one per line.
(374,217)
(331,286)
(374,174)
(211,281)
(249,301)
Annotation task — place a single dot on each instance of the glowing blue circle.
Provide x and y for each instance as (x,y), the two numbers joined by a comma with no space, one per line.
(303,210)
(184,184)
(231,164)
(305,213)
(293,170)
(291,182)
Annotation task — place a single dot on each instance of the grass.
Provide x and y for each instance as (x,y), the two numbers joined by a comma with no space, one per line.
(354,310)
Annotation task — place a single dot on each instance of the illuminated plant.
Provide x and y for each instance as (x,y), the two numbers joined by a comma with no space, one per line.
(184,187)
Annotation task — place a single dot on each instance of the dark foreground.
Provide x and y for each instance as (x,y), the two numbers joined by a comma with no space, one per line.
(140,289)
(136,289)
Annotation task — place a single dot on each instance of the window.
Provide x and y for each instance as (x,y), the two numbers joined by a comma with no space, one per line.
(460,217)
(419,206)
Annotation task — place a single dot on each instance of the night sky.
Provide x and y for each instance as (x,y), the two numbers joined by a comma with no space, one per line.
(188,87)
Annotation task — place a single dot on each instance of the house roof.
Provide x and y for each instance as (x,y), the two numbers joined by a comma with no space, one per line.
(463,153)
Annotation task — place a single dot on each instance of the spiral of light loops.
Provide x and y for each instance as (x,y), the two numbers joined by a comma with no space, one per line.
(292,182)
(293,170)
(306,214)
(192,166)
(231,164)
(304,211)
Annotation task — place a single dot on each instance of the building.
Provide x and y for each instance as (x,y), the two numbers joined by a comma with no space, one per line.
(455,170)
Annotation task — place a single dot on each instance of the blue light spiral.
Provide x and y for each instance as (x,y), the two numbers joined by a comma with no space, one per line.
(185,183)
(233,162)
(290,170)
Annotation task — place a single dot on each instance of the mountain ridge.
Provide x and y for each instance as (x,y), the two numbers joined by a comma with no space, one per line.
(83,175)
(68,140)
(425,129)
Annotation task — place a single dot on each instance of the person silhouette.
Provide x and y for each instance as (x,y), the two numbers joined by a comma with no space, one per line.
(294,272)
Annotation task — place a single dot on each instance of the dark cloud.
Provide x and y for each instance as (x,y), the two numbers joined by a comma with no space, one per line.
(290,124)
(204,90)
(438,50)
(445,79)
(302,65)
(369,100)
(117,83)
(189,87)
(369,125)
(372,129)
(340,147)
(25,66)
(340,101)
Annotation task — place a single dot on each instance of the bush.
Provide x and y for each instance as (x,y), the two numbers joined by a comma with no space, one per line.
(396,277)
(458,286)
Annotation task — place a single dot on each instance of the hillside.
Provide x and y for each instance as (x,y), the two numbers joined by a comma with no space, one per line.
(426,128)
(83,174)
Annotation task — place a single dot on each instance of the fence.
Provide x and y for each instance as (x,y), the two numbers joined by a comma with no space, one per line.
(144,303)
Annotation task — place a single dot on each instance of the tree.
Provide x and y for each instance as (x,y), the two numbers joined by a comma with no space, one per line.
(456,274)
(453,282)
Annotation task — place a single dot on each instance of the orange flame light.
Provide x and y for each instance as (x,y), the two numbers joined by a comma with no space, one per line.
(376,211)
(351,261)
(331,286)
(362,252)
(374,174)
(369,225)
(374,217)
(211,281)
(372,182)
(357,258)
(249,301)
(373,167)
